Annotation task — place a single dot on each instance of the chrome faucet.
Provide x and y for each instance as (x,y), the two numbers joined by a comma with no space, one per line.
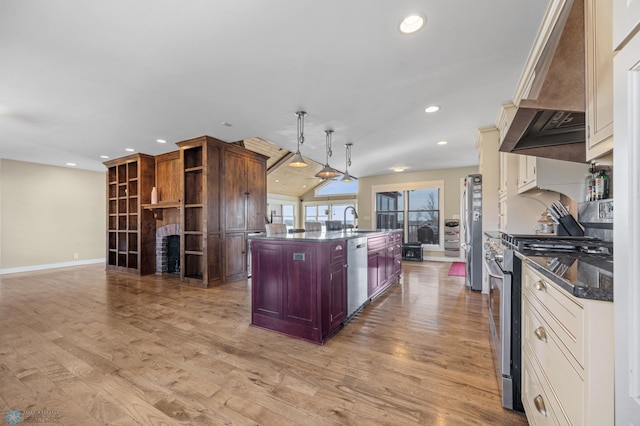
(355,216)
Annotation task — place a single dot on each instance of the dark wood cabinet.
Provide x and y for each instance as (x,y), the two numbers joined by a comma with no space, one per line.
(224,190)
(220,190)
(336,294)
(130,228)
(244,186)
(299,288)
(384,261)
(235,252)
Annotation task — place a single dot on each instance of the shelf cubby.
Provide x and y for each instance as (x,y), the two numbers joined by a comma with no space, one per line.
(112,241)
(193,157)
(133,205)
(122,173)
(133,188)
(193,187)
(193,219)
(132,169)
(193,242)
(130,230)
(193,266)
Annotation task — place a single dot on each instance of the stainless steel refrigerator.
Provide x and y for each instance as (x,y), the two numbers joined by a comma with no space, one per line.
(472,221)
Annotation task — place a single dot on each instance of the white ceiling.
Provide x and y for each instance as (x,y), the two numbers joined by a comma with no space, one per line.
(80,79)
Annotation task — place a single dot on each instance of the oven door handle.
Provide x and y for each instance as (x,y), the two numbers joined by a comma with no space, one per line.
(491,269)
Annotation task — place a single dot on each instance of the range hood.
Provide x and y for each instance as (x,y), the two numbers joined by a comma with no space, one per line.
(550,118)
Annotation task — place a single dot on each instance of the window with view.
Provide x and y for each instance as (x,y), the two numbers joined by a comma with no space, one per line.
(323,212)
(415,209)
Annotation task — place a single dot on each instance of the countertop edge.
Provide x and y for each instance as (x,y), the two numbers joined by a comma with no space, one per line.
(321,236)
(576,291)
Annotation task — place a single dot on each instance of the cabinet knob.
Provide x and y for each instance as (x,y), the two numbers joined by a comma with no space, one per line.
(538,401)
(540,285)
(541,334)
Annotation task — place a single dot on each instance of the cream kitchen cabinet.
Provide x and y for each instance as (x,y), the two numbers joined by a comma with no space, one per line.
(519,213)
(626,14)
(599,77)
(565,177)
(567,362)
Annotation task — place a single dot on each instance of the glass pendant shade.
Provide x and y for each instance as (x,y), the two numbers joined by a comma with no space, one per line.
(327,171)
(297,160)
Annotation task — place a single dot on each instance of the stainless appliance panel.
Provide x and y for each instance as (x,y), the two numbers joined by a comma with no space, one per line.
(357,288)
(472,219)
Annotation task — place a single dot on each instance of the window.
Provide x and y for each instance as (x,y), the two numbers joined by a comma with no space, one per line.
(414,208)
(337,187)
(282,213)
(322,212)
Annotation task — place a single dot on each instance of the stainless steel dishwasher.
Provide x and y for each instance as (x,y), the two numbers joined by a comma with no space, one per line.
(357,287)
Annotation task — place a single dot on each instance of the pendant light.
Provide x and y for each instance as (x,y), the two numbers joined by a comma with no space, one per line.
(298,161)
(347,177)
(327,172)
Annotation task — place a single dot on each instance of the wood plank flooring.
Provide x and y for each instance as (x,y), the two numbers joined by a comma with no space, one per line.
(85,346)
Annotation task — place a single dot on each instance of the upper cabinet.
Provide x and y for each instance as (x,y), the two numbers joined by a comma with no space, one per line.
(599,77)
(627,17)
(564,177)
(245,191)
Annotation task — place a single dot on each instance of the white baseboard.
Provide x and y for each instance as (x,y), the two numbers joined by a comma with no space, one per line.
(50,266)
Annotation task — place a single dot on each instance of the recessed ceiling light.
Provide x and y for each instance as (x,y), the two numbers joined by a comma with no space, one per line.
(277,180)
(304,186)
(71,164)
(443,142)
(411,24)
(399,169)
(104,156)
(432,108)
(161,141)
(129,149)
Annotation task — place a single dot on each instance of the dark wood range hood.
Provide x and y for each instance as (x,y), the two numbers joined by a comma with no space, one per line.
(550,119)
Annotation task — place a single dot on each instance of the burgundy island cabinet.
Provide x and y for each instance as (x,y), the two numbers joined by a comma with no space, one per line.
(299,284)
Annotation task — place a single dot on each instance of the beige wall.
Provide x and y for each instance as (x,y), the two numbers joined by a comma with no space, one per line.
(49,213)
(452,195)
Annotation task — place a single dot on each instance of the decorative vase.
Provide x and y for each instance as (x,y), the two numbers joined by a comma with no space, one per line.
(154,196)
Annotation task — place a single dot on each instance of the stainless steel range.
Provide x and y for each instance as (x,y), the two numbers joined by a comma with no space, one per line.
(586,261)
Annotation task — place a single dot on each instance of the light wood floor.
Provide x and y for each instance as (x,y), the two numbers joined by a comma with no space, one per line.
(98,347)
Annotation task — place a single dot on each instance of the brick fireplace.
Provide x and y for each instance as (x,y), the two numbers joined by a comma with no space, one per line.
(167,251)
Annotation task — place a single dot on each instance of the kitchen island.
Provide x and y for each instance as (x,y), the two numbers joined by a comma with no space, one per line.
(299,281)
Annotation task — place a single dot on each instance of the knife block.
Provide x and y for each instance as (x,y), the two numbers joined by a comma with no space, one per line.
(569,226)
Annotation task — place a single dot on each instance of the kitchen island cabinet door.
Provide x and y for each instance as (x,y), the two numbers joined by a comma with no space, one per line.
(300,282)
(336,302)
(377,270)
(267,292)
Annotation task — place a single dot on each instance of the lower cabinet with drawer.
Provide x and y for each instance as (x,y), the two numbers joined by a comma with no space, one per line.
(299,288)
(567,362)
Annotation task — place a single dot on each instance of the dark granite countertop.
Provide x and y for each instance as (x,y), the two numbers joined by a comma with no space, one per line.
(583,275)
(323,236)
